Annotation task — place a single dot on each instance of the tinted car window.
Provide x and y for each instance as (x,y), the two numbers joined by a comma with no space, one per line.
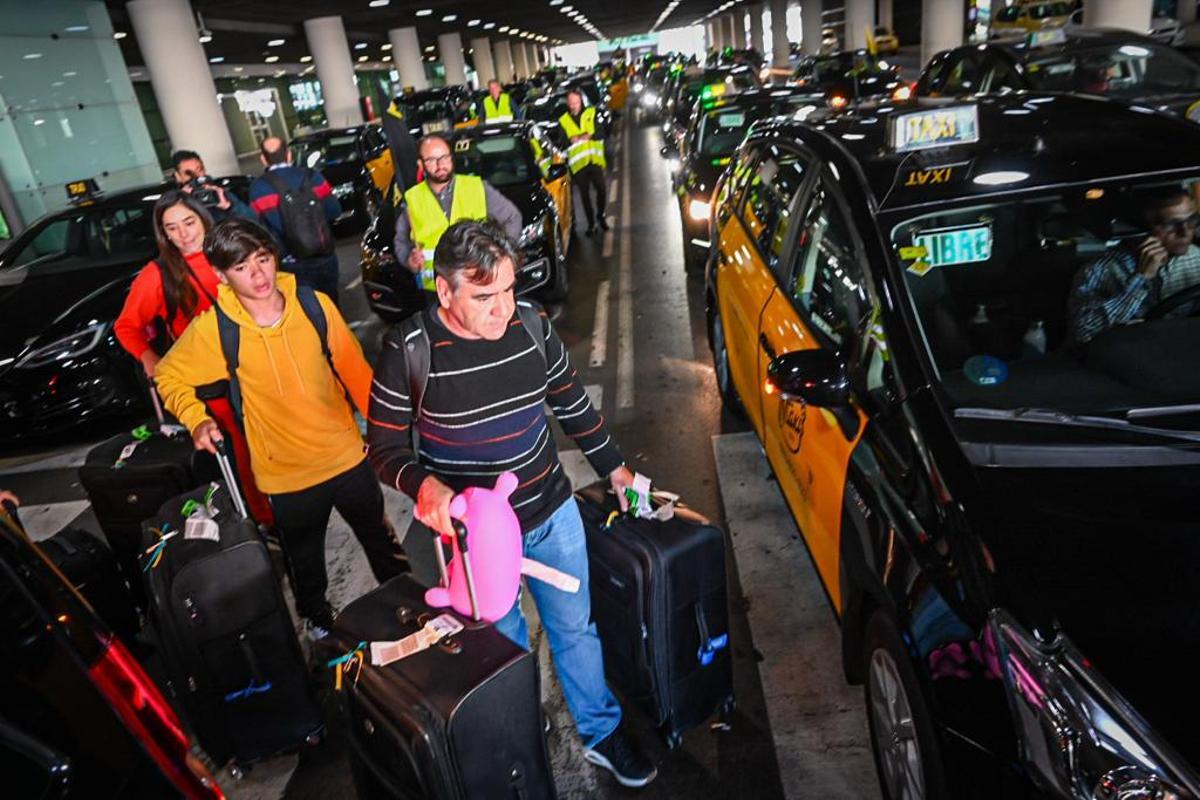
(826,280)
(499,160)
(91,238)
(1126,70)
(963,77)
(773,184)
(317,153)
(1010,14)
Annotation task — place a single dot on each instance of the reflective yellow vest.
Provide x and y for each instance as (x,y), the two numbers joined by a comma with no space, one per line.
(429,222)
(541,156)
(580,154)
(497,112)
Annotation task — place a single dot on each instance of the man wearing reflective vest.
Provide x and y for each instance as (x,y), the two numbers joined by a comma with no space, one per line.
(497,106)
(585,156)
(443,198)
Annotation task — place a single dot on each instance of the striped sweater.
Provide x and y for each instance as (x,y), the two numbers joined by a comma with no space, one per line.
(484,413)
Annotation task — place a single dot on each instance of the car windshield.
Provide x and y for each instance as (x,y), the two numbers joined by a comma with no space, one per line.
(1031,302)
(845,65)
(722,130)
(1127,70)
(499,160)
(319,153)
(428,112)
(88,239)
(718,82)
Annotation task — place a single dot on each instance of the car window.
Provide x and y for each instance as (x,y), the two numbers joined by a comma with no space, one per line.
(1044,10)
(963,77)
(499,160)
(826,280)
(772,187)
(91,238)
(1000,76)
(1130,70)
(1009,14)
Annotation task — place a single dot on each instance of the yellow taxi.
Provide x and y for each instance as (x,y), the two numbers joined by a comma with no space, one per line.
(1024,18)
(882,39)
(987,485)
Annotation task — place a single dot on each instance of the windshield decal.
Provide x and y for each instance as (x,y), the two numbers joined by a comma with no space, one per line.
(945,247)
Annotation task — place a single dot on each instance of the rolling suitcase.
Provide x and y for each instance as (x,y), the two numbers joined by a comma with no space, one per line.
(460,720)
(660,605)
(229,647)
(128,478)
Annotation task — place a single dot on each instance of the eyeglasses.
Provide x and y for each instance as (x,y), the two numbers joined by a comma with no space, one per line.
(433,161)
(1180,226)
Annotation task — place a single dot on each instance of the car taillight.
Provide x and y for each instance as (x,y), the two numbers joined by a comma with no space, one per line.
(146,713)
(903,92)
(838,101)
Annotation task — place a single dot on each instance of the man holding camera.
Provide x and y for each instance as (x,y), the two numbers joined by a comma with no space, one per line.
(191,177)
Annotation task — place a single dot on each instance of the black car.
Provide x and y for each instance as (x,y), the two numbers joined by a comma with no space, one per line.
(358,165)
(1000,510)
(712,137)
(435,110)
(520,161)
(79,718)
(1112,63)
(850,76)
(694,84)
(545,110)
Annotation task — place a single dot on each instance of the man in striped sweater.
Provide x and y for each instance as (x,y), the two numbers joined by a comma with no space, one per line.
(483,413)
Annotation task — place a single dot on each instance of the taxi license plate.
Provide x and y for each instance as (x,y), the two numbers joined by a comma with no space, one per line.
(433,127)
(949,246)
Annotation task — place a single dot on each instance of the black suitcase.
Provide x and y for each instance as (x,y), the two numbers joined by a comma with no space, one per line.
(123,497)
(459,721)
(92,570)
(229,647)
(660,605)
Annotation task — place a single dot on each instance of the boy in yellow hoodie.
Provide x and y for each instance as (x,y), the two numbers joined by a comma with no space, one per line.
(305,448)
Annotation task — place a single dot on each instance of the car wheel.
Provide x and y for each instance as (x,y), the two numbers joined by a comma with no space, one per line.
(729,395)
(903,740)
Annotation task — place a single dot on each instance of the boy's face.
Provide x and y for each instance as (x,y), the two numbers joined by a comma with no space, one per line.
(253,278)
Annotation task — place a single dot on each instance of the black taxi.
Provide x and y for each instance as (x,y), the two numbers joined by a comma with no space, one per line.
(983,418)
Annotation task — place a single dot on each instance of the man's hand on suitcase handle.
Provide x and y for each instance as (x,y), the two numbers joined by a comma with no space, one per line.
(433,506)
(207,436)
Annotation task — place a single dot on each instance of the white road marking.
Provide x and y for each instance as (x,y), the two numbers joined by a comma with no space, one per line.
(354,284)
(600,326)
(625,303)
(607,251)
(43,520)
(813,713)
(596,393)
(578,470)
(614,187)
(67,459)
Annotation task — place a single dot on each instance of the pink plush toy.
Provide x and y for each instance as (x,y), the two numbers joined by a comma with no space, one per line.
(495,549)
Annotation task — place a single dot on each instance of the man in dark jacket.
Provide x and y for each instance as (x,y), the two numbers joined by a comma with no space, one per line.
(280,175)
(192,177)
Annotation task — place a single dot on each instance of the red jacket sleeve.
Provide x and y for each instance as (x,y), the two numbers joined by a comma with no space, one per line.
(144,303)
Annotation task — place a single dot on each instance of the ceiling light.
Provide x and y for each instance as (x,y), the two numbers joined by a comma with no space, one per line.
(120,35)
(450,18)
(487,26)
(216,59)
(362,59)
(76,29)
(471,23)
(387,58)
(502,29)
(237,69)
(275,42)
(205,38)
(385,46)
(378,3)
(271,59)
(556,2)
(429,49)
(305,59)
(70,74)
(360,45)
(424,12)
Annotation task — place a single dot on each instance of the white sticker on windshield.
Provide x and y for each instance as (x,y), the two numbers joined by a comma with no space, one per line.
(944,247)
(735,119)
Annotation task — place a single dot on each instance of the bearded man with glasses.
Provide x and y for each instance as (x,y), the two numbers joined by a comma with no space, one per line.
(1125,283)
(435,203)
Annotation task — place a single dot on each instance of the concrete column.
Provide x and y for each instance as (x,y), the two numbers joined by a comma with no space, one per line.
(756,28)
(860,18)
(779,37)
(810,26)
(1132,15)
(942,23)
(451,51)
(484,66)
(1185,12)
(520,51)
(331,54)
(884,9)
(182,81)
(406,55)
(502,50)
(737,28)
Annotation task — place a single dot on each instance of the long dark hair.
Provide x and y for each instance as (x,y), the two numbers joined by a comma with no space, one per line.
(179,292)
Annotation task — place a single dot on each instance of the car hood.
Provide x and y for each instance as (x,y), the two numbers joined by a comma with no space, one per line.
(39,309)
(529,198)
(1113,556)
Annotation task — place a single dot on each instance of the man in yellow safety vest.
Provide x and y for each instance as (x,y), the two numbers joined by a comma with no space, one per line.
(497,106)
(440,200)
(585,156)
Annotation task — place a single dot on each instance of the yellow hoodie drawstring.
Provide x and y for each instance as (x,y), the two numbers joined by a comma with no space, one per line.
(271,360)
(295,364)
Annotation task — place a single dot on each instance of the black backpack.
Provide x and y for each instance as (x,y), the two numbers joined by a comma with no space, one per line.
(306,230)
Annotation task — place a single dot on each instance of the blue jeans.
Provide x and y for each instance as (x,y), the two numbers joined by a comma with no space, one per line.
(559,542)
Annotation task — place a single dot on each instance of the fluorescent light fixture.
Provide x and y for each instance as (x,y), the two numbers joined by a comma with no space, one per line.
(120,35)
(360,45)
(429,48)
(1000,177)
(76,29)
(271,59)
(378,3)
(31,56)
(487,26)
(387,58)
(205,38)
(502,29)
(1136,51)
(275,42)
(305,59)
(471,23)
(450,18)
(362,59)
(387,46)
(216,59)
(424,12)
(237,69)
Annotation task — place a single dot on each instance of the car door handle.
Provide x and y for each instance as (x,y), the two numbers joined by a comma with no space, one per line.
(766,345)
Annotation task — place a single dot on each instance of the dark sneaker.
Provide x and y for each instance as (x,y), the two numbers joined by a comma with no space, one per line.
(618,755)
(604,223)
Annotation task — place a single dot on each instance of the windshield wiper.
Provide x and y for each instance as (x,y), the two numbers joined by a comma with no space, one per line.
(1050,416)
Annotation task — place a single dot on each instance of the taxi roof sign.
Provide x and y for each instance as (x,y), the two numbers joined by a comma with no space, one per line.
(82,191)
(1046,37)
(939,127)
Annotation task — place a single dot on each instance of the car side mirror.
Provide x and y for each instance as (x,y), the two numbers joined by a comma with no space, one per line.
(817,376)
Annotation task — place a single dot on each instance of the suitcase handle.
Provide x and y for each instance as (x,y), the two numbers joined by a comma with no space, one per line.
(158,409)
(460,536)
(230,479)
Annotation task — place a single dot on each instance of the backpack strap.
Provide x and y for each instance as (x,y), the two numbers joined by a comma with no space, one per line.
(531,321)
(316,315)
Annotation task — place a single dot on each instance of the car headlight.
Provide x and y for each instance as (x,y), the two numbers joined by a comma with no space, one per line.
(1078,737)
(78,343)
(637,87)
(649,98)
(344,189)
(699,209)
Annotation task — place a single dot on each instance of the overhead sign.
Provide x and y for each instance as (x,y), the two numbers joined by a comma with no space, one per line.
(921,130)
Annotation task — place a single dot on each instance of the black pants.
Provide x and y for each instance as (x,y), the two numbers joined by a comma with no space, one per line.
(587,179)
(320,273)
(302,518)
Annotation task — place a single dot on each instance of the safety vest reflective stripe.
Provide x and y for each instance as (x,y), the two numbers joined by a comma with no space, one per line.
(429,221)
(581,154)
(501,112)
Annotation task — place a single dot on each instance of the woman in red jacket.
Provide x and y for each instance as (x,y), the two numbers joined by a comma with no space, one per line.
(173,289)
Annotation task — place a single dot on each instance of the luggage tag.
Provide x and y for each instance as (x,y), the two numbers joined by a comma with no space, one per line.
(201,526)
(639,496)
(438,628)
(126,452)
(545,574)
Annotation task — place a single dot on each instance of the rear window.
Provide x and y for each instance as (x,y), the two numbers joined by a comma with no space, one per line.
(499,160)
(1129,70)
(1009,14)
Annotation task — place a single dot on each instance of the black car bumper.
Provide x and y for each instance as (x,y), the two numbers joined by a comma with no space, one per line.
(54,398)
